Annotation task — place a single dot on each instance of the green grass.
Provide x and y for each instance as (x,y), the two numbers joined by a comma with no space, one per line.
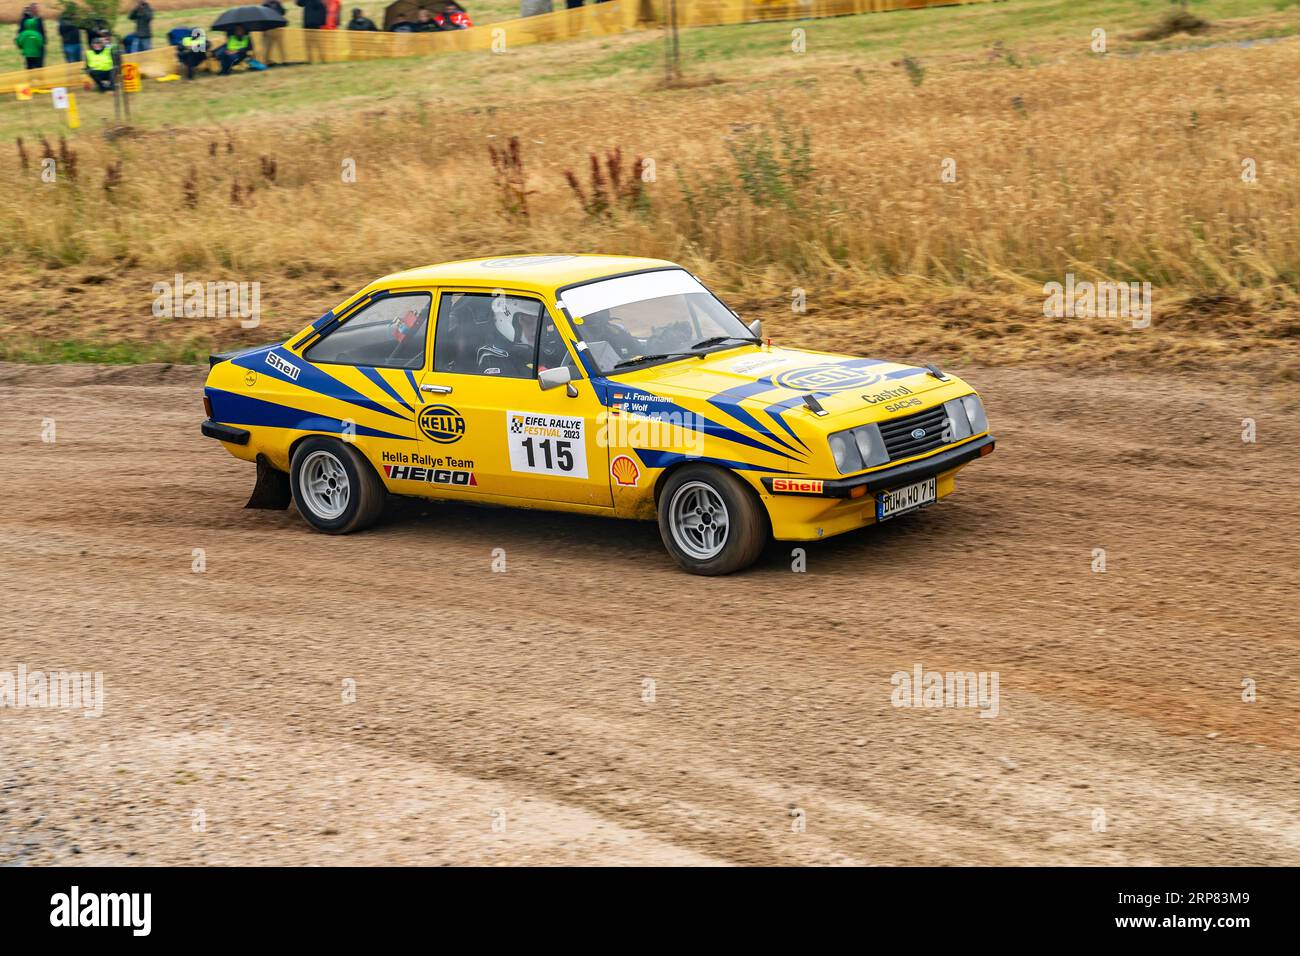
(747,52)
(38,352)
(930,31)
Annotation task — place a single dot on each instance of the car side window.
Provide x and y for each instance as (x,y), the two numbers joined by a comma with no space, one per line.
(551,350)
(482,333)
(390,333)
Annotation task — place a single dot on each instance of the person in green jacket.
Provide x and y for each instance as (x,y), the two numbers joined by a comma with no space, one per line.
(99,64)
(31,41)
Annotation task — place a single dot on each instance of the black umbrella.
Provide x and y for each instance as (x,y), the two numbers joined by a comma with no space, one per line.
(250,18)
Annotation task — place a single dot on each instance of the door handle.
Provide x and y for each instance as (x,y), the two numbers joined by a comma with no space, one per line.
(440,389)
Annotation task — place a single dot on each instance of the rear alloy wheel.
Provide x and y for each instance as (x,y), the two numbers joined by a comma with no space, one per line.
(334,487)
(710,522)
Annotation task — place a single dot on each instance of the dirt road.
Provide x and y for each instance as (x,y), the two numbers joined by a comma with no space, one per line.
(508,718)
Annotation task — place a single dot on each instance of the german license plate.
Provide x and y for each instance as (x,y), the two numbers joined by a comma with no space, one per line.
(890,504)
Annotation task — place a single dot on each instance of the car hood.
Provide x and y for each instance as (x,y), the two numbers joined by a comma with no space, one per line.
(758,378)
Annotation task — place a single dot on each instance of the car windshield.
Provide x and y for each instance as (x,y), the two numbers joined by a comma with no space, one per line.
(636,320)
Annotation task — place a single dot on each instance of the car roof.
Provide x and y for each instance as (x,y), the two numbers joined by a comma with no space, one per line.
(536,273)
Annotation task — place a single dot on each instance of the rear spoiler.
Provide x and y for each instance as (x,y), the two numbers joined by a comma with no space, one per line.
(217,357)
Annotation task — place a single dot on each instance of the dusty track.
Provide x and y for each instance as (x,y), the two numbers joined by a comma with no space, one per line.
(521,692)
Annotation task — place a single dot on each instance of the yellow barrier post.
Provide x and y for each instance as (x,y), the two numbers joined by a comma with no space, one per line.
(130,77)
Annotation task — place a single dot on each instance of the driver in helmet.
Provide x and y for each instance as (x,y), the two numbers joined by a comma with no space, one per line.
(508,347)
(408,331)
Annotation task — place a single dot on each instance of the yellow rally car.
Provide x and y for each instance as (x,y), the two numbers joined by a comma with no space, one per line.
(596,384)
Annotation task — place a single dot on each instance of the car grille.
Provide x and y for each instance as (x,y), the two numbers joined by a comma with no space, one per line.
(897,433)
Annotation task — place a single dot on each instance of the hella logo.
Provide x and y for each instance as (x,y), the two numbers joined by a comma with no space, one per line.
(918,432)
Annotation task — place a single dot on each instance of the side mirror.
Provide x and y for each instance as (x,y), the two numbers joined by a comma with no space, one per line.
(555,377)
(756,328)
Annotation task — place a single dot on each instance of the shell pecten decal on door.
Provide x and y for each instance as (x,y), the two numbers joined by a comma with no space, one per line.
(547,444)
(625,471)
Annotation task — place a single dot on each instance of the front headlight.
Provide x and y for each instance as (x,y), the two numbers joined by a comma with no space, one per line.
(845,451)
(979,422)
(858,448)
(965,418)
(956,425)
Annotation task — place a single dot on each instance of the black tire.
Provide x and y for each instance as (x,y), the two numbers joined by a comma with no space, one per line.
(747,525)
(365,493)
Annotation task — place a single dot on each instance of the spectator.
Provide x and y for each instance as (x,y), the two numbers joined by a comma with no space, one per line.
(143,17)
(192,51)
(99,64)
(30,41)
(239,47)
(273,47)
(29,21)
(313,14)
(33,11)
(332,8)
(454,17)
(98,28)
(424,23)
(361,22)
(70,36)
(572,4)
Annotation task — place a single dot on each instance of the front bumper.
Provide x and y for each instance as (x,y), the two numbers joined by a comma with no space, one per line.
(885,479)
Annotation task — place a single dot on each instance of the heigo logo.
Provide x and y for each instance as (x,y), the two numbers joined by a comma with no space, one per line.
(797,486)
(436,476)
(625,471)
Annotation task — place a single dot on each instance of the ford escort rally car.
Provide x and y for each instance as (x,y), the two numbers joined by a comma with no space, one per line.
(601,385)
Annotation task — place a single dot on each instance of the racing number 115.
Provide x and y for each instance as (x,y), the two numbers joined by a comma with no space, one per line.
(563,456)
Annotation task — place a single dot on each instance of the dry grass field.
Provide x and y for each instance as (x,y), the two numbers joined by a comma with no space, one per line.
(916,196)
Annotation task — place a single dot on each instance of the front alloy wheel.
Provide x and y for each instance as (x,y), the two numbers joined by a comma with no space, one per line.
(710,521)
(698,518)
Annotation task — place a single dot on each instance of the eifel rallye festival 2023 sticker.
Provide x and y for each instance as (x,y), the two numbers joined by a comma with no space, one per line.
(547,444)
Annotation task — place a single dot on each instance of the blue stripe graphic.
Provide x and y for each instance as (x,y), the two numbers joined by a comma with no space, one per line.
(415,389)
(229,408)
(374,376)
(662,459)
(686,417)
(741,415)
(312,378)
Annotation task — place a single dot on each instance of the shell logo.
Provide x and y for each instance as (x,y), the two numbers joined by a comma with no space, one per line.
(625,471)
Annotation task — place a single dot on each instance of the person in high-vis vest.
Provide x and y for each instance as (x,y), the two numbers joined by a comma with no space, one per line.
(239,47)
(193,50)
(99,64)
